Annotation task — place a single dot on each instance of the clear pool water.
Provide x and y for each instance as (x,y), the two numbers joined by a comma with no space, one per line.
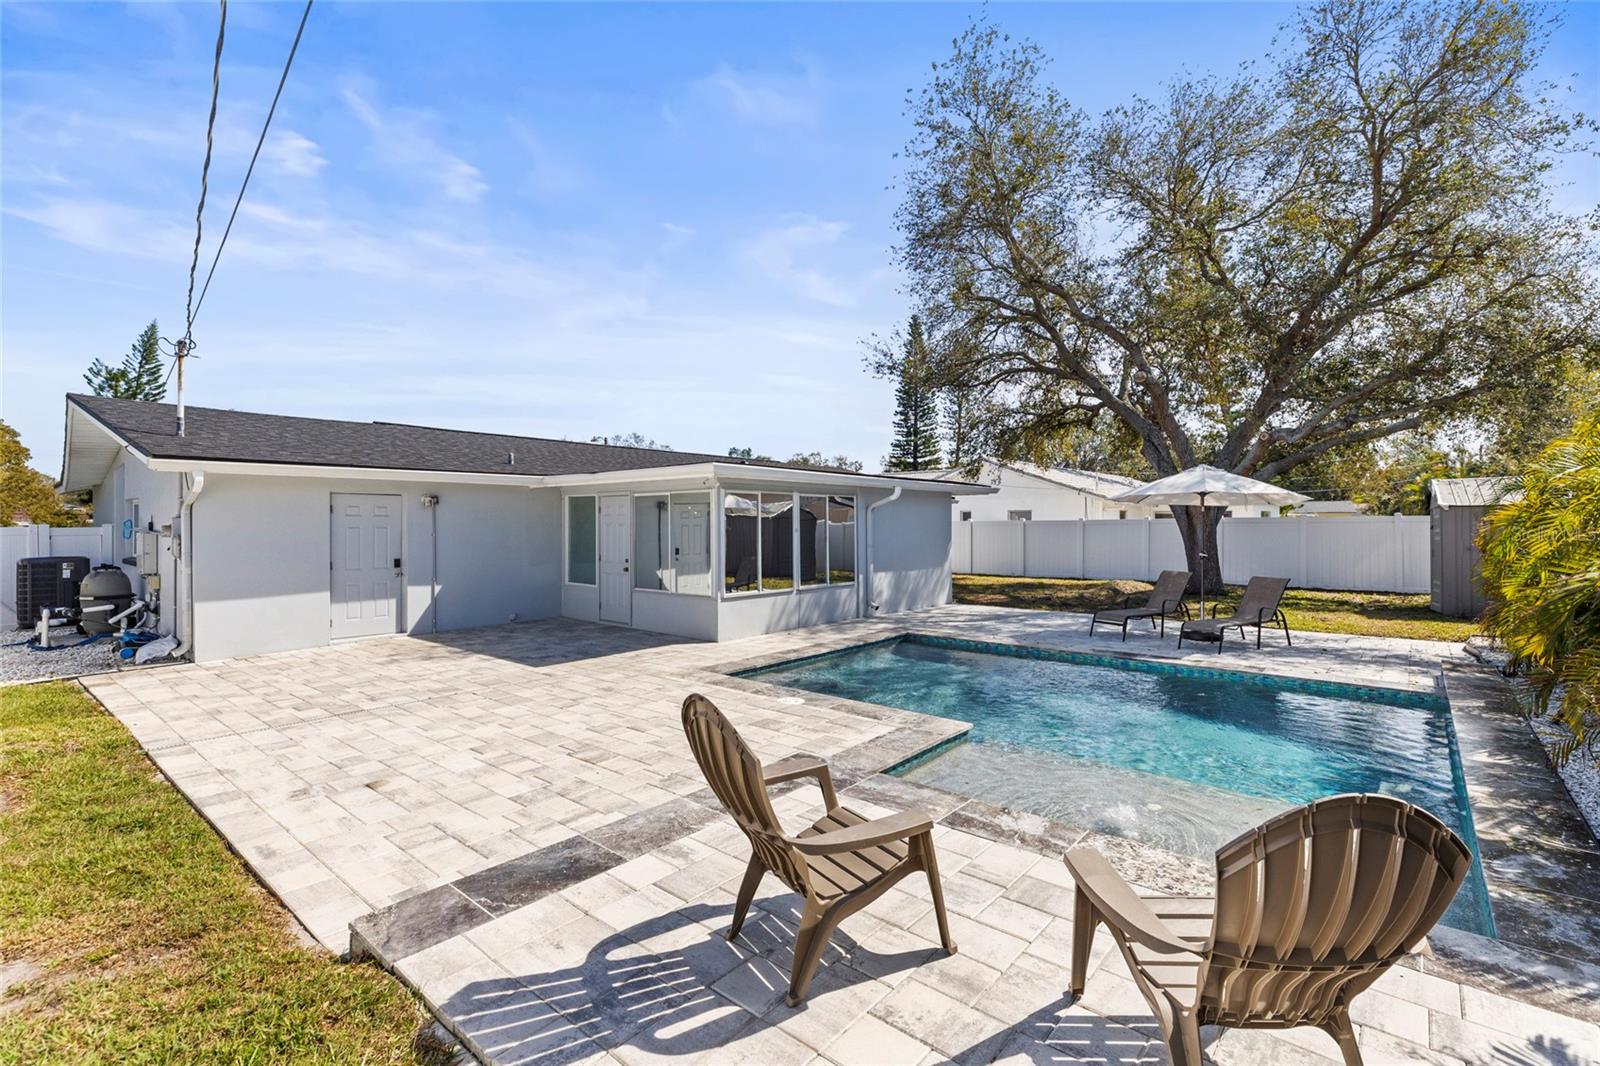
(1178,757)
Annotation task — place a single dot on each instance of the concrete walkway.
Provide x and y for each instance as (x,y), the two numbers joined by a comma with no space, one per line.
(512,820)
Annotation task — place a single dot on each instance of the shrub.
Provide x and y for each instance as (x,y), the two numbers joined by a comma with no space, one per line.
(1541,570)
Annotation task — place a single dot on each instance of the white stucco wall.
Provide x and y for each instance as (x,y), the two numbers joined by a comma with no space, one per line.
(261,559)
(678,615)
(911,547)
(750,614)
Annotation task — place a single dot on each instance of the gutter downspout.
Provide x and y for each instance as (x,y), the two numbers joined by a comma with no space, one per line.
(196,485)
(871,607)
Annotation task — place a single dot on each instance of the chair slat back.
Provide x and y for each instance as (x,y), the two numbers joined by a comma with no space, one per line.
(1169,588)
(734,774)
(1261,597)
(1315,904)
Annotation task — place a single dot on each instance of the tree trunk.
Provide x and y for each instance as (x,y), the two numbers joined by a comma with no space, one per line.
(1188,519)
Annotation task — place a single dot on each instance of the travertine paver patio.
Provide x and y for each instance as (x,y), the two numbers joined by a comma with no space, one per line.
(354,775)
(519,808)
(632,966)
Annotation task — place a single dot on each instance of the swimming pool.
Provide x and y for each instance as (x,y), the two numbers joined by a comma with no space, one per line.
(1179,757)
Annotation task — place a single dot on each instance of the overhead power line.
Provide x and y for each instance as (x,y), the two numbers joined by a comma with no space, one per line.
(205,170)
(265,126)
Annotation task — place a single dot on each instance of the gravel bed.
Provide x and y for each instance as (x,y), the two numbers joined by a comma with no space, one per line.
(22,663)
(1581,774)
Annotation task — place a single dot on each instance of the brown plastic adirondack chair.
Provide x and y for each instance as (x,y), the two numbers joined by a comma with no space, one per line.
(1258,606)
(840,864)
(1310,909)
(1165,599)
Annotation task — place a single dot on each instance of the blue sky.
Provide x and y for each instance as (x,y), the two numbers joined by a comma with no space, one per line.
(533,218)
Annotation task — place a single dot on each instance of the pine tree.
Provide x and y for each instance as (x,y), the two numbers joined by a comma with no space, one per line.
(916,408)
(141,375)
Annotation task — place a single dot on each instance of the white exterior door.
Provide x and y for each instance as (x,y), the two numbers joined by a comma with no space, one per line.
(616,577)
(366,564)
(691,548)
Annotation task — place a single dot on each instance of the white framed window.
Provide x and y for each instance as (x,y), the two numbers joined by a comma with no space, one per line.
(583,523)
(1019,516)
(966,516)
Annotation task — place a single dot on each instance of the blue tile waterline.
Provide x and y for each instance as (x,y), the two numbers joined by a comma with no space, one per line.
(1178,756)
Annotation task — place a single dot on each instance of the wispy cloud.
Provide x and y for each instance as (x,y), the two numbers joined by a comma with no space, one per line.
(779,253)
(548,170)
(764,98)
(403,138)
(677,235)
(295,154)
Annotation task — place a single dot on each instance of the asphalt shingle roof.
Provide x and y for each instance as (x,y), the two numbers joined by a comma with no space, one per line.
(247,437)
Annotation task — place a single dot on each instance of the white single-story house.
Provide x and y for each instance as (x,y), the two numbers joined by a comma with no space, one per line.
(256,533)
(1023,492)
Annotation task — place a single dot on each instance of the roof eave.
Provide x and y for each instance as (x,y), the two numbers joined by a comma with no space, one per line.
(168,464)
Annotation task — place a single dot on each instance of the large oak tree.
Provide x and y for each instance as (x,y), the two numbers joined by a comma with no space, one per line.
(1260,271)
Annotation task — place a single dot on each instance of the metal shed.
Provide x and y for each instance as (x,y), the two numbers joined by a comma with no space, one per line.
(1456,510)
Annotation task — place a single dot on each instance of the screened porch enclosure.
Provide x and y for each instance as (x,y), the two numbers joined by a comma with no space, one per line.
(772,541)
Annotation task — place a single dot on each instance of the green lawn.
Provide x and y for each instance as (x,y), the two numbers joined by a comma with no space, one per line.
(1372,614)
(151,941)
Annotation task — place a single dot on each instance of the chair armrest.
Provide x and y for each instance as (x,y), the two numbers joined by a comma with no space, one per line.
(798,766)
(1121,905)
(891,827)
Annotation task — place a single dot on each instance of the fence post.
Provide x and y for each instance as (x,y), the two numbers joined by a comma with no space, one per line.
(1399,541)
(1083,546)
(1305,531)
(1147,567)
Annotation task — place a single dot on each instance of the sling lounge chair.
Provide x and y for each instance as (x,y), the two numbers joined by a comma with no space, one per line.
(744,575)
(1166,598)
(1310,909)
(1258,607)
(840,864)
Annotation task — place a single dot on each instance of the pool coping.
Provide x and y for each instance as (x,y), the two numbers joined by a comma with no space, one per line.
(1540,862)
(1535,865)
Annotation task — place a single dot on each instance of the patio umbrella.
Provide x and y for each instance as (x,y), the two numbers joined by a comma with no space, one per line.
(1201,486)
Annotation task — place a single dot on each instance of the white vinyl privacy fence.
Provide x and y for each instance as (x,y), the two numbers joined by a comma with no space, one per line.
(97,543)
(1368,554)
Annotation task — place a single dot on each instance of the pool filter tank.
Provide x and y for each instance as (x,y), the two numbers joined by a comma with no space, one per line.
(103,594)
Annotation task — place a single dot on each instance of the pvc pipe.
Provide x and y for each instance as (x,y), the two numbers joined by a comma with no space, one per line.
(197,484)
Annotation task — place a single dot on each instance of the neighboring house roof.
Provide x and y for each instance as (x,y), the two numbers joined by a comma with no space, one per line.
(1090,481)
(1474,491)
(217,435)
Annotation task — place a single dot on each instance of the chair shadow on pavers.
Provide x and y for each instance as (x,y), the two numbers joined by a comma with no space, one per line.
(673,987)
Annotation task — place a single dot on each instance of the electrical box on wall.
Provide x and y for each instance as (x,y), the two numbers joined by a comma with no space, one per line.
(147,549)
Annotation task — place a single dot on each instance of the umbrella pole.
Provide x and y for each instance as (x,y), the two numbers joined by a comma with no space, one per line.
(1202,555)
